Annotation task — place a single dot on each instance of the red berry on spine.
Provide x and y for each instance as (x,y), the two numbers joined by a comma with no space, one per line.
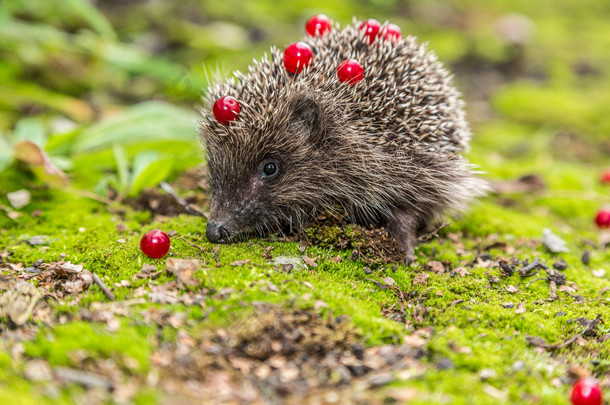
(393,33)
(226,109)
(586,392)
(297,57)
(155,244)
(603,218)
(371,29)
(606,177)
(318,25)
(350,72)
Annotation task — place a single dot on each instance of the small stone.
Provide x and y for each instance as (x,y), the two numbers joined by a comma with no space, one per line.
(487,373)
(586,257)
(599,273)
(37,370)
(38,240)
(560,265)
(518,366)
(19,199)
(508,305)
(553,242)
(445,364)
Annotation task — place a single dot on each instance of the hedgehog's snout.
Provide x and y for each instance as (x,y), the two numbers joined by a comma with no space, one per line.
(217,233)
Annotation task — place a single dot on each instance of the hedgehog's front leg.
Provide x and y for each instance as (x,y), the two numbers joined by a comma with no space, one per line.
(403,226)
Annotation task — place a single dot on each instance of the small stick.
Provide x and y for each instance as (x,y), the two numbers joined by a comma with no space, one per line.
(536,279)
(192,244)
(103,287)
(536,341)
(525,271)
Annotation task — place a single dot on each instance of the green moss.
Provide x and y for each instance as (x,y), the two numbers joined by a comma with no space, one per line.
(63,342)
(552,122)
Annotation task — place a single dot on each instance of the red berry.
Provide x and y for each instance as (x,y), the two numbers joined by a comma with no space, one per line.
(297,56)
(155,244)
(606,177)
(392,32)
(350,72)
(603,218)
(586,392)
(371,28)
(318,25)
(226,109)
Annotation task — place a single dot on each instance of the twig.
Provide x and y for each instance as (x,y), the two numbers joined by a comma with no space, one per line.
(433,233)
(189,208)
(193,245)
(103,287)
(89,195)
(525,271)
(536,279)
(83,378)
(539,342)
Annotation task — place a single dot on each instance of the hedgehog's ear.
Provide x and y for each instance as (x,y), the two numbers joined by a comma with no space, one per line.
(306,114)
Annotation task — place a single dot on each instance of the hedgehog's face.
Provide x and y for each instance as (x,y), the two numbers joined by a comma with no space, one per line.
(264,178)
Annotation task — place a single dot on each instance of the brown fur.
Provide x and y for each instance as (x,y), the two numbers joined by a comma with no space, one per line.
(385,150)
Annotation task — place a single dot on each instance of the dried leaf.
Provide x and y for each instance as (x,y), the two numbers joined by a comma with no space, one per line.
(436,267)
(512,289)
(388,280)
(183,269)
(520,308)
(421,278)
(310,261)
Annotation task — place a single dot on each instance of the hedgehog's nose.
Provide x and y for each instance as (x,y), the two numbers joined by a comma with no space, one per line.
(216,233)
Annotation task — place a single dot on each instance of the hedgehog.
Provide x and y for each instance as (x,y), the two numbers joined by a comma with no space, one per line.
(358,121)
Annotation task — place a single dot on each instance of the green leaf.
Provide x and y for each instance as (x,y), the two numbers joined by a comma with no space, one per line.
(122,167)
(92,16)
(6,155)
(149,169)
(149,121)
(30,129)
(101,188)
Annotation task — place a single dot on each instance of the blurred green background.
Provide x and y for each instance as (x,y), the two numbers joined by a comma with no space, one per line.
(110,89)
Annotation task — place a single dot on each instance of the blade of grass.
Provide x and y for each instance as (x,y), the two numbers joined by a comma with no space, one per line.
(149,121)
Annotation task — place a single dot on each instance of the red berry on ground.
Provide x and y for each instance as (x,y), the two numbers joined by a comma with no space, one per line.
(392,32)
(318,25)
(226,109)
(297,57)
(155,244)
(371,28)
(606,176)
(603,218)
(350,72)
(586,392)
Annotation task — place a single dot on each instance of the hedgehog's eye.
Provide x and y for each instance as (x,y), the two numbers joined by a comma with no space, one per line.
(270,169)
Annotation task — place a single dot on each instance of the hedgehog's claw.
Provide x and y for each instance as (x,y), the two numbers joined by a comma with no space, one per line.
(403,226)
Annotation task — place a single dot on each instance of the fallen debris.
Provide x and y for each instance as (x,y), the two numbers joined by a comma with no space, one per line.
(103,287)
(539,342)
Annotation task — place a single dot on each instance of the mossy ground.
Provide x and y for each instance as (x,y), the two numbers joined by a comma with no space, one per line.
(550,120)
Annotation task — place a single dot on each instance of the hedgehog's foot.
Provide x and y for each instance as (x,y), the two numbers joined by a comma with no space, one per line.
(403,226)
